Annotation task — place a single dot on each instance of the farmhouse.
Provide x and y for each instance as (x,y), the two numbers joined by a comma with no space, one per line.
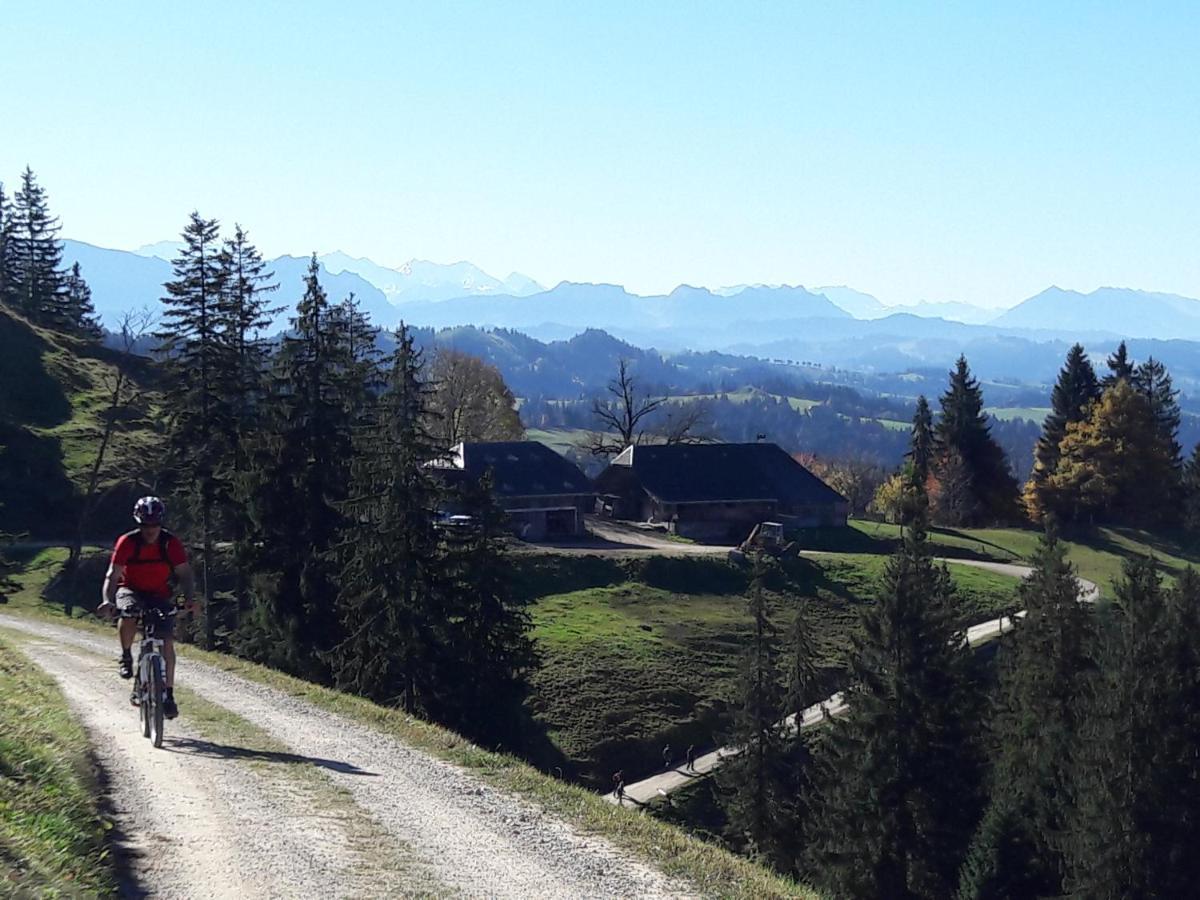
(716,491)
(544,494)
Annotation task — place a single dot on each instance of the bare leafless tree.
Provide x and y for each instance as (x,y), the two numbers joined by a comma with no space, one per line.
(688,422)
(625,419)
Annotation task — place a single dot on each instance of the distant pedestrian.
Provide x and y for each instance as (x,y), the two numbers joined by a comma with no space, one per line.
(667,756)
(620,791)
(618,780)
(691,758)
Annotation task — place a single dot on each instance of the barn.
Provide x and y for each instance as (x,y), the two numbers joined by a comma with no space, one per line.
(716,492)
(544,494)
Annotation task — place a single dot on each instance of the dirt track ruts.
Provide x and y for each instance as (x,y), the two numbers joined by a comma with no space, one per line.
(225,840)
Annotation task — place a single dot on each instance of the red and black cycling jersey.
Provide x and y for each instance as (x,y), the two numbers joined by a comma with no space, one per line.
(148,565)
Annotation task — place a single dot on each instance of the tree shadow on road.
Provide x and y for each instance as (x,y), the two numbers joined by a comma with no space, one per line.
(212,749)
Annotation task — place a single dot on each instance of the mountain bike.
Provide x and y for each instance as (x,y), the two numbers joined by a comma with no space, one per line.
(149,688)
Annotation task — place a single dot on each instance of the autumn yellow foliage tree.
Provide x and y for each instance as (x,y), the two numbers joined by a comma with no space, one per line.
(1114,465)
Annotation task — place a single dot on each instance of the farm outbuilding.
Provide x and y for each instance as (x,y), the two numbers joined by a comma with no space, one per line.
(716,492)
(544,494)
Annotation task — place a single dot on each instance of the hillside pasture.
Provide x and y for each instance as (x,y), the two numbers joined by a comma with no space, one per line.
(640,653)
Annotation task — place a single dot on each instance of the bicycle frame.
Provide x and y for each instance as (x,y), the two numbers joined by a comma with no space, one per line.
(151,673)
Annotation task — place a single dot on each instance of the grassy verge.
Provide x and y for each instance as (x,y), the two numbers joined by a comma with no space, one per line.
(52,833)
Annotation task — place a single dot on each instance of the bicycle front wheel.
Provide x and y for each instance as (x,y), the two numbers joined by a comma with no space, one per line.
(143,695)
(156,692)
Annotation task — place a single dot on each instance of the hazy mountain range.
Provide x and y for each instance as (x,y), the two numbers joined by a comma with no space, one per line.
(834,325)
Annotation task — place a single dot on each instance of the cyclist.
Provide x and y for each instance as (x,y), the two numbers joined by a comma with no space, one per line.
(139,577)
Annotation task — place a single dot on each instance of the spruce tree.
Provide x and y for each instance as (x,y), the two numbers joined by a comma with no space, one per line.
(1045,665)
(1182,660)
(8,260)
(246,286)
(389,597)
(897,781)
(299,479)
(1191,491)
(1152,380)
(804,688)
(38,289)
(359,366)
(1120,367)
(752,785)
(1076,389)
(1128,834)
(80,314)
(922,447)
(964,428)
(481,675)
(196,358)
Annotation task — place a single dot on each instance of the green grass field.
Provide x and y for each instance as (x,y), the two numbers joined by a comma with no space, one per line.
(1097,553)
(559,439)
(638,653)
(1008,413)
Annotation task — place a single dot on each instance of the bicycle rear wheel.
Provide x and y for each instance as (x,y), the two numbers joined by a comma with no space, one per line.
(157,691)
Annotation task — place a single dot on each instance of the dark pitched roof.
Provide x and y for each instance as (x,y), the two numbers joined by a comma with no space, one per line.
(519,468)
(700,473)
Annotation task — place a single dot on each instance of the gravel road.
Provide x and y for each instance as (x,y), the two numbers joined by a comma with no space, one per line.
(212,826)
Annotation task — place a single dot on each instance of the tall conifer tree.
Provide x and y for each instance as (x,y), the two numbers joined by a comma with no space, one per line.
(299,480)
(1044,670)
(1076,389)
(1152,380)
(38,287)
(898,777)
(1120,367)
(246,286)
(1191,490)
(196,356)
(804,688)
(964,428)
(1127,835)
(388,595)
(8,262)
(753,784)
(489,652)
(922,446)
(79,312)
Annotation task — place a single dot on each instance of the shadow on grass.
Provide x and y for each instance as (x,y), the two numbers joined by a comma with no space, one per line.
(969,553)
(225,751)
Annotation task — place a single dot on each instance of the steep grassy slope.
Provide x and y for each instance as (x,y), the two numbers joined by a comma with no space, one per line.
(54,400)
(637,653)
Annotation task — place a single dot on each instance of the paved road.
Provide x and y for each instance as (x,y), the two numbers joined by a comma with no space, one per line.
(672,780)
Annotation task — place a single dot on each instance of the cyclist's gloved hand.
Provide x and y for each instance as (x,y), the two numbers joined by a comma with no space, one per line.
(107,609)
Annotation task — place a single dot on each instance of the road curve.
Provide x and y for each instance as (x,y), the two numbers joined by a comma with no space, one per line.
(210,825)
(671,780)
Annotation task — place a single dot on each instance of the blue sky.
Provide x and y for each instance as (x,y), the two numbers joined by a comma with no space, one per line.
(915,151)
